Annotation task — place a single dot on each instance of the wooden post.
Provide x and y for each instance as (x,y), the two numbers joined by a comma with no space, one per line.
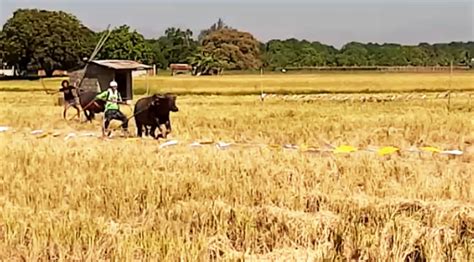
(147,85)
(470,102)
(59,99)
(262,96)
(450,74)
(450,84)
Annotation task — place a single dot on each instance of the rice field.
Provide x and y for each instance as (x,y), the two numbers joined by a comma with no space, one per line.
(233,85)
(86,198)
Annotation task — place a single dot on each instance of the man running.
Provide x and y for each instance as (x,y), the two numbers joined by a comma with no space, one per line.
(69,98)
(112,110)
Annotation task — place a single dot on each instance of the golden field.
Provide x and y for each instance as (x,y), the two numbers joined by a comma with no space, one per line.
(127,199)
(284,84)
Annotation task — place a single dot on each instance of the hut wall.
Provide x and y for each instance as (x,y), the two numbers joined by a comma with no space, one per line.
(102,75)
(97,78)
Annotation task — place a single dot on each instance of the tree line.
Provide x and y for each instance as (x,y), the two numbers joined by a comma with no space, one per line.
(40,39)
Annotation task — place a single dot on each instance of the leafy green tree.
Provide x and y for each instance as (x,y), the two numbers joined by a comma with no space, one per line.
(126,44)
(327,53)
(206,63)
(452,52)
(176,46)
(353,54)
(301,53)
(43,39)
(235,49)
(415,56)
(430,54)
(276,55)
(2,48)
(296,53)
(158,56)
(34,39)
(385,55)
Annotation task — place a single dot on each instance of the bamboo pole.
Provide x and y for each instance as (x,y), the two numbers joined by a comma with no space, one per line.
(450,85)
(147,85)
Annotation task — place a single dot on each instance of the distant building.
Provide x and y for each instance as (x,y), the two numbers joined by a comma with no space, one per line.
(55,73)
(180,68)
(7,72)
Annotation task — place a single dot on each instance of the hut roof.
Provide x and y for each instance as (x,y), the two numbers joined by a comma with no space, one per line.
(121,64)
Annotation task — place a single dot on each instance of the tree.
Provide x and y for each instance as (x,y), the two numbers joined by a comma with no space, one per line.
(296,53)
(2,48)
(415,55)
(126,44)
(385,55)
(176,46)
(301,53)
(49,40)
(158,56)
(219,25)
(276,55)
(235,49)
(353,54)
(206,64)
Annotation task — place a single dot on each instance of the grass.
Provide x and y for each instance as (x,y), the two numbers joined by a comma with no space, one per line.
(89,199)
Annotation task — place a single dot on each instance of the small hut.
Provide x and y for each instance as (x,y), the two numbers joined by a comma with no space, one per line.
(99,73)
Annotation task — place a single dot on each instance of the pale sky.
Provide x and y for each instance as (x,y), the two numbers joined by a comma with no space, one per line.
(331,22)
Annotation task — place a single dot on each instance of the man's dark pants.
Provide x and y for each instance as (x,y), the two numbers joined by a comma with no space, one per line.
(116,115)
